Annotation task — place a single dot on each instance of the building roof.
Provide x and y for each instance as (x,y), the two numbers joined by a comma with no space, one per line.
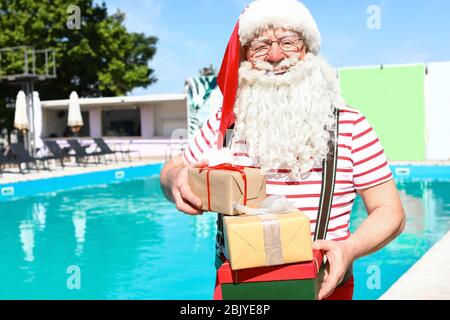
(123,101)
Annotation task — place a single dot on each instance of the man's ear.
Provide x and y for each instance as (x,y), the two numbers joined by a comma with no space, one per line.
(243,53)
(303,53)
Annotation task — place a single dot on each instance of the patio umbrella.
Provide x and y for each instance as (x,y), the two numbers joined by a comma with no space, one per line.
(38,143)
(74,121)
(21,115)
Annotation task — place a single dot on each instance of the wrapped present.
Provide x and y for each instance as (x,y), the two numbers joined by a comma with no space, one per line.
(220,187)
(298,281)
(267,240)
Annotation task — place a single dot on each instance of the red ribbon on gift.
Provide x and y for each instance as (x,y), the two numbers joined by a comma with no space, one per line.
(229,167)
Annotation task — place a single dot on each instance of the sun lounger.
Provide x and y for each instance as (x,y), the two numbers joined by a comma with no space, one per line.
(81,153)
(57,151)
(4,160)
(103,146)
(23,156)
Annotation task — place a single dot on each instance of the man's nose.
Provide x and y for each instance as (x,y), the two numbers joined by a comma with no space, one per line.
(275,54)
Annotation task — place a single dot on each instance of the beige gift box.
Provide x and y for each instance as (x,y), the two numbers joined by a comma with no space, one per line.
(227,187)
(274,239)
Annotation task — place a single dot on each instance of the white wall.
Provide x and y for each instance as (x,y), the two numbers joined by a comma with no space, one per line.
(95,122)
(169,117)
(155,120)
(147,122)
(437,91)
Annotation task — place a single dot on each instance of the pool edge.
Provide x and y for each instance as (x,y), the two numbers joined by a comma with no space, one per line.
(15,190)
(424,280)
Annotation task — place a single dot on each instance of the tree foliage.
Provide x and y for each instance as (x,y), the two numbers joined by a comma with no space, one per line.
(100,59)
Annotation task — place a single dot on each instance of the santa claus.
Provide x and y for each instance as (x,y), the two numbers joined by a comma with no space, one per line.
(282,101)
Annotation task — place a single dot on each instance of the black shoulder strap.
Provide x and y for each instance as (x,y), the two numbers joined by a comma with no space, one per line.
(328,183)
(228,136)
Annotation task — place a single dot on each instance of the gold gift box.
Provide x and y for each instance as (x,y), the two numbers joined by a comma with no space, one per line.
(227,187)
(266,240)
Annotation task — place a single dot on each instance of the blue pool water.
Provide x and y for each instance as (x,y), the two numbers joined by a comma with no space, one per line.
(125,241)
(427,206)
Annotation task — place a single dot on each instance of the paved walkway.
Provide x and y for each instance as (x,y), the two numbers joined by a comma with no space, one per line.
(428,279)
(12,175)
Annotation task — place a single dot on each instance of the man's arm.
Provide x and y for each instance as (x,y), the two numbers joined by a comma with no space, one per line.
(174,176)
(385,222)
(175,186)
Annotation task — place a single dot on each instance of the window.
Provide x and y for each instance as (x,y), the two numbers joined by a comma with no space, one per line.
(121,123)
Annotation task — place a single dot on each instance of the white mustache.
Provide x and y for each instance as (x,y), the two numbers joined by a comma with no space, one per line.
(279,67)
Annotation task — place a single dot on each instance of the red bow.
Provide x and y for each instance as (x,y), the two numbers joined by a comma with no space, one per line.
(229,167)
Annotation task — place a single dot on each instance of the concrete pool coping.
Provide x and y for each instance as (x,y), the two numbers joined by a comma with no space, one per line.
(14,185)
(76,177)
(71,168)
(426,170)
(427,279)
(400,170)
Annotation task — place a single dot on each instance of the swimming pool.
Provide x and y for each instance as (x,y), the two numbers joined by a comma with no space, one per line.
(125,241)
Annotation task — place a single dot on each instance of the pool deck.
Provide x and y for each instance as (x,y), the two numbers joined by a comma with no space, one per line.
(428,279)
(13,175)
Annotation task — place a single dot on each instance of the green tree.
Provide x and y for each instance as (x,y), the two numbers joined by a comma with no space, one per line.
(101,58)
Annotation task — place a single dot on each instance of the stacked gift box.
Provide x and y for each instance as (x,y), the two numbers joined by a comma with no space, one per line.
(219,187)
(269,255)
(297,281)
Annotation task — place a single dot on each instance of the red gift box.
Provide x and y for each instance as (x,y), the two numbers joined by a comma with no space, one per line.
(292,281)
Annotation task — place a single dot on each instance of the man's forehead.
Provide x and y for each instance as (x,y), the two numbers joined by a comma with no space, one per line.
(272,32)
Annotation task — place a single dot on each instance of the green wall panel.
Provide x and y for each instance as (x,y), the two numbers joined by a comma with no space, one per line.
(393,101)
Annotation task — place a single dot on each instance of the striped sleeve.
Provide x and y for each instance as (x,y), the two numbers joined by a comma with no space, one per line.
(205,139)
(370,165)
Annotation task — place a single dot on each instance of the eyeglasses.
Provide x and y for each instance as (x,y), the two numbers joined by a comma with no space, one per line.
(261,48)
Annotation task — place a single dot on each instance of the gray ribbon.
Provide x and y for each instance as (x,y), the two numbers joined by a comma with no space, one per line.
(272,239)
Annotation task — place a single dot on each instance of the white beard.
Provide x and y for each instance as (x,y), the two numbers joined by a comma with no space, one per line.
(285,119)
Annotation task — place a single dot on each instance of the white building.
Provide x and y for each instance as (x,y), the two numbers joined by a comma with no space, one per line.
(150,123)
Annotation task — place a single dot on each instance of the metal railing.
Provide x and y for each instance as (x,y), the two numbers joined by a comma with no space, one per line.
(40,64)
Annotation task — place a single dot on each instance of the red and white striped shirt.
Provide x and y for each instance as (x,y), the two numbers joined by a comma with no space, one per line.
(361,164)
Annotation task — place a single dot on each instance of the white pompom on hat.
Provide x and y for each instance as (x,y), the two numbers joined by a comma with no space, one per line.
(287,14)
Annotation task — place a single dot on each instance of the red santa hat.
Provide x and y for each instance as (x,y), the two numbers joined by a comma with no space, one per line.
(258,16)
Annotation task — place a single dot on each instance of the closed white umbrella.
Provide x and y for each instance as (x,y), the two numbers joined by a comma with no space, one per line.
(74,121)
(21,116)
(38,143)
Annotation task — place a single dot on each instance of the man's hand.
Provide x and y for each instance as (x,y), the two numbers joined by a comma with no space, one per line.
(180,191)
(340,256)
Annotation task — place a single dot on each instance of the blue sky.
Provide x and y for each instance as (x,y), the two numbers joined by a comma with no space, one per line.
(193,34)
